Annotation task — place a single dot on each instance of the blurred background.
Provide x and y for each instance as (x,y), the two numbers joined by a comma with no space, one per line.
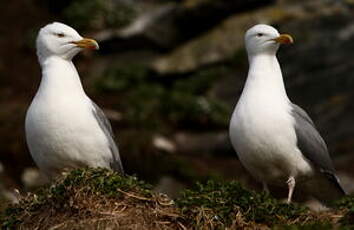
(168,75)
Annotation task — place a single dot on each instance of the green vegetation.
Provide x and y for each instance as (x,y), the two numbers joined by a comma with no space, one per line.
(220,202)
(87,195)
(99,198)
(182,102)
(346,203)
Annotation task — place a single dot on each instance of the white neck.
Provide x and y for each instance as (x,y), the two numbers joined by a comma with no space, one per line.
(265,77)
(60,78)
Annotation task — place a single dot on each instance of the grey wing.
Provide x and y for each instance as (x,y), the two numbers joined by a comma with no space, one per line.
(313,146)
(106,127)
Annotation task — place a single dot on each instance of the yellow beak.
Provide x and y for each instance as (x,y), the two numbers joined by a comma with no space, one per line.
(284,39)
(87,43)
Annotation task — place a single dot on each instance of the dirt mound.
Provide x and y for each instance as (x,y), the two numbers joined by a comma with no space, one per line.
(94,199)
(102,199)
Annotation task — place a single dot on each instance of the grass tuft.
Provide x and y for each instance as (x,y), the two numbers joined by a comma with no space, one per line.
(102,199)
(219,202)
(91,199)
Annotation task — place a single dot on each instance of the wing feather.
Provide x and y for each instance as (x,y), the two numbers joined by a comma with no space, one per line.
(312,145)
(106,127)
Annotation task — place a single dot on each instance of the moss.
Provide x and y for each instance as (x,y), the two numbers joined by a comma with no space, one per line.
(201,81)
(346,202)
(60,197)
(123,78)
(92,198)
(105,182)
(183,102)
(219,203)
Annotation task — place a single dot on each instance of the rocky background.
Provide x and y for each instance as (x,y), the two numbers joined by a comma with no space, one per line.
(168,75)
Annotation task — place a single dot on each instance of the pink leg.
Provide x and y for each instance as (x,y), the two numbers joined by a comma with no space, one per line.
(291,186)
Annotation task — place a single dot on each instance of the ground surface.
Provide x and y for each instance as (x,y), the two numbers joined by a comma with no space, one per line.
(100,199)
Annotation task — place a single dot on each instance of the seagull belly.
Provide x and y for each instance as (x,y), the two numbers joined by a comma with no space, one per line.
(68,137)
(265,142)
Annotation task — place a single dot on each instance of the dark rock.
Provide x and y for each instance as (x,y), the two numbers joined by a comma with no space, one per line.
(169,25)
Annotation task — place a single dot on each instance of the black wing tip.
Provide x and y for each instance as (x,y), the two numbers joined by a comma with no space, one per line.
(335,180)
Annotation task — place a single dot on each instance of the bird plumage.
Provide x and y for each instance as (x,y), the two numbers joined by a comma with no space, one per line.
(116,163)
(64,128)
(314,148)
(275,140)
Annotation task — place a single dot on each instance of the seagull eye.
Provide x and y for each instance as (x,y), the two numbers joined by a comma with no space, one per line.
(259,35)
(60,35)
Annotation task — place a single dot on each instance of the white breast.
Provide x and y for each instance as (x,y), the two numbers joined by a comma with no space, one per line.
(61,129)
(66,136)
(262,131)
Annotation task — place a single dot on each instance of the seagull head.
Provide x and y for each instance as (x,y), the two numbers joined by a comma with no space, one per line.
(264,39)
(58,39)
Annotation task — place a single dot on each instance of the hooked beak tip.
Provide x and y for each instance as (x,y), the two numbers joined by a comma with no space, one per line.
(284,39)
(87,43)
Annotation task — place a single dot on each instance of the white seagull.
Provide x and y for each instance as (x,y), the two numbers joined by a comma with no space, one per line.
(64,128)
(276,140)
